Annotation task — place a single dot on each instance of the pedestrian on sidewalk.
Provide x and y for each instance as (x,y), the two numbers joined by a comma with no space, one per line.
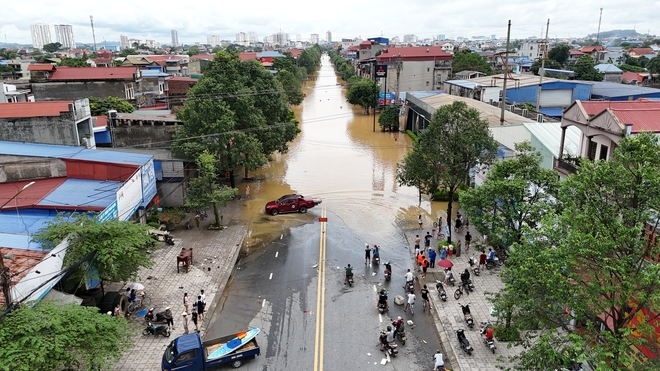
(482,260)
(203,295)
(432,255)
(425,266)
(200,307)
(247,191)
(450,251)
(186,301)
(417,241)
(458,248)
(367,254)
(443,253)
(194,318)
(420,260)
(468,239)
(419,220)
(427,242)
(169,318)
(185,322)
(197,219)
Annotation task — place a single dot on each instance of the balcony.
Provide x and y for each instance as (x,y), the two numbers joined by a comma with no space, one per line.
(566,165)
(442,64)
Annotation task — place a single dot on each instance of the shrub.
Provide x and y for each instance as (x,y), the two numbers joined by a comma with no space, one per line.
(412,135)
(443,243)
(506,333)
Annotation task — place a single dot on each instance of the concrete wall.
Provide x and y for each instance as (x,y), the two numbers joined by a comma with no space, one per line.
(143,136)
(17,168)
(49,130)
(613,77)
(44,91)
(527,94)
(415,75)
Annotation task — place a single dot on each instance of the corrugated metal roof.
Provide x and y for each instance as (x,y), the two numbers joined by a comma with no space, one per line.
(520,80)
(16,229)
(34,109)
(595,107)
(487,112)
(93,73)
(30,196)
(613,90)
(414,53)
(71,152)
(464,83)
(82,194)
(154,73)
(549,133)
(552,112)
(41,67)
(641,120)
(605,67)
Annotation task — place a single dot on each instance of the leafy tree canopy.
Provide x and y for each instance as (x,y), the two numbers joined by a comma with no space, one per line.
(51,336)
(389,118)
(118,247)
(560,53)
(284,64)
(7,54)
(74,62)
(466,60)
(585,70)
(291,87)
(128,51)
(193,50)
(310,59)
(363,93)
(629,68)
(100,106)
(52,47)
(550,63)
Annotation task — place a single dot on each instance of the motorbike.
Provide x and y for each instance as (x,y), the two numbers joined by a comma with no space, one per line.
(169,240)
(376,260)
(490,343)
(388,271)
(464,286)
(465,343)
(474,264)
(451,279)
(159,317)
(156,330)
(391,348)
(400,334)
(490,264)
(467,315)
(441,290)
(349,279)
(382,308)
(410,286)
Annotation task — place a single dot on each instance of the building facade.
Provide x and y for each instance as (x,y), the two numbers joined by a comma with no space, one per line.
(175,38)
(64,33)
(214,40)
(328,36)
(123,42)
(40,35)
(422,68)
(531,49)
(314,38)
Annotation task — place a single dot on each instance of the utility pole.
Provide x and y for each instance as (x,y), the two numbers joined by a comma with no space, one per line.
(91,21)
(399,66)
(506,72)
(373,74)
(600,17)
(544,55)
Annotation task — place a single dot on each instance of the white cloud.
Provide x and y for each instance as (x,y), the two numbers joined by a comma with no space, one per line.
(345,18)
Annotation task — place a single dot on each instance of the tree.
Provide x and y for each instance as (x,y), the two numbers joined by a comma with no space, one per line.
(193,50)
(100,106)
(74,62)
(653,66)
(560,53)
(127,52)
(7,54)
(629,68)
(238,113)
(584,67)
(51,336)
(364,93)
(643,61)
(536,65)
(310,59)
(466,60)
(117,248)
(284,64)
(204,191)
(456,141)
(517,193)
(52,47)
(588,263)
(291,86)
(389,118)
(7,70)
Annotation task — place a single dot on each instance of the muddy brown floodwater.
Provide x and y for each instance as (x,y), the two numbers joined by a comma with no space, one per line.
(339,158)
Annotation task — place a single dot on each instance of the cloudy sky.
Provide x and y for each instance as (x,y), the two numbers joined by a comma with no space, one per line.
(195,20)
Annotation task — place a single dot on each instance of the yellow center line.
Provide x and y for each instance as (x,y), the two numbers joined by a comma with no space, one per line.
(320,297)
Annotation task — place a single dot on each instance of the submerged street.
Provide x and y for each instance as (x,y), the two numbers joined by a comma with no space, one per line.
(276,287)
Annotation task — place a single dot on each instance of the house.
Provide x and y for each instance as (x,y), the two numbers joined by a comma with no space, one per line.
(531,48)
(70,83)
(177,89)
(603,124)
(574,55)
(592,50)
(446,47)
(642,52)
(422,67)
(622,92)
(611,73)
(55,122)
(140,61)
(246,56)
(197,63)
(11,94)
(368,50)
(176,65)
(52,179)
(152,88)
(635,78)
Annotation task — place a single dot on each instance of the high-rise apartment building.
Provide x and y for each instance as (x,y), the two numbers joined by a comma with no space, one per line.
(40,35)
(64,33)
(123,42)
(328,36)
(441,37)
(242,39)
(214,40)
(252,37)
(175,38)
(314,38)
(410,39)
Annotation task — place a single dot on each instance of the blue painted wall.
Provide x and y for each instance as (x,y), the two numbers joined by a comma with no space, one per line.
(631,97)
(527,94)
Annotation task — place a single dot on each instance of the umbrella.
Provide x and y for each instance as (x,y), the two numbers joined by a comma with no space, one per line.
(137,286)
(445,264)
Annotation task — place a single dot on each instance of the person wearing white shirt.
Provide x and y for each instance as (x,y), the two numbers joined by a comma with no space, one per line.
(411,300)
(439,362)
(409,276)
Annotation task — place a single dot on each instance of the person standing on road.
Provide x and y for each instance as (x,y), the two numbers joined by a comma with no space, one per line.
(367,254)
(432,255)
(169,318)
(197,219)
(185,322)
(200,307)
(419,221)
(194,318)
(468,239)
(439,361)
(443,253)
(425,296)
(247,191)
(482,260)
(417,241)
(409,277)
(425,266)
(420,260)
(186,301)
(427,242)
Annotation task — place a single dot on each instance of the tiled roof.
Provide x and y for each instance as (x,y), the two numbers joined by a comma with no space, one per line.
(575,52)
(414,53)
(641,119)
(589,49)
(41,67)
(91,73)
(295,53)
(187,79)
(595,107)
(23,261)
(101,121)
(202,56)
(247,56)
(641,51)
(33,109)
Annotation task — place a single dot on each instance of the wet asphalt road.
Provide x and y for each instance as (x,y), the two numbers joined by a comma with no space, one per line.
(276,290)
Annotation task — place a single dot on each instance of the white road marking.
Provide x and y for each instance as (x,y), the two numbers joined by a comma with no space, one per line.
(281,236)
(271,276)
(380,316)
(375,289)
(263,303)
(277,253)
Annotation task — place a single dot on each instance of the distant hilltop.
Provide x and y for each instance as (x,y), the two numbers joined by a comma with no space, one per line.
(617,33)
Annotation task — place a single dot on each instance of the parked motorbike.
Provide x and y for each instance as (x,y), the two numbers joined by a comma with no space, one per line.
(490,343)
(463,287)
(474,264)
(388,271)
(441,290)
(465,343)
(169,240)
(376,260)
(490,264)
(467,315)
(399,333)
(156,330)
(159,317)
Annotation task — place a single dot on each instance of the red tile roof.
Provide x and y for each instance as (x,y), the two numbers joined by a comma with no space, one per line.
(31,196)
(23,261)
(295,53)
(642,114)
(414,53)
(41,67)
(247,56)
(202,56)
(33,109)
(91,73)
(632,76)
(595,107)
(188,79)
(575,52)
(101,121)
(641,51)
(589,49)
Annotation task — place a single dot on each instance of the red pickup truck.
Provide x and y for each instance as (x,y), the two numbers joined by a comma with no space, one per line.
(291,204)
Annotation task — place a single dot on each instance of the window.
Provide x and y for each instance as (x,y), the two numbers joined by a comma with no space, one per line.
(592,150)
(603,152)
(531,47)
(186,357)
(130,92)
(161,87)
(428,69)
(427,83)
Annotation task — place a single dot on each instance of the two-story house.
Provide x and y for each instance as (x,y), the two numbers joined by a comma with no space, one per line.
(422,67)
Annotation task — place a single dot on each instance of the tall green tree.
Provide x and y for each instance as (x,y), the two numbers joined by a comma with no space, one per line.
(127,52)
(52,47)
(560,53)
(239,113)
(588,264)
(74,62)
(291,86)
(7,54)
(536,65)
(51,336)
(456,141)
(193,50)
(584,67)
(284,64)
(100,106)
(517,193)
(364,93)
(205,190)
(653,66)
(466,60)
(389,118)
(117,248)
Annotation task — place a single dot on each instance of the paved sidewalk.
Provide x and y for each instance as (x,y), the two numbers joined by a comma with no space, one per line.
(448,315)
(214,256)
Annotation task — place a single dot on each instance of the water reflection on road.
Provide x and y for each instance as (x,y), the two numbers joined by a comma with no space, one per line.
(339,158)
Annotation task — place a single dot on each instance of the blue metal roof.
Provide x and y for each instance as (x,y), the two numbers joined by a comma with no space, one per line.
(270,54)
(83,193)
(71,152)
(16,228)
(154,73)
(613,90)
